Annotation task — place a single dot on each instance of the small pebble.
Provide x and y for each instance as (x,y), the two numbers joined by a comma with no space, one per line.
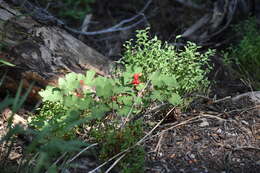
(204,123)
(192,156)
(219,131)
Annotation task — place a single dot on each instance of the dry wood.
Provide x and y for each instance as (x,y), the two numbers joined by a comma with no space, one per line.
(215,22)
(43,53)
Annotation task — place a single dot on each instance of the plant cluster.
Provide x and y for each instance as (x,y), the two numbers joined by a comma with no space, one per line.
(98,96)
(113,140)
(154,72)
(53,117)
(83,98)
(246,54)
(75,10)
(189,66)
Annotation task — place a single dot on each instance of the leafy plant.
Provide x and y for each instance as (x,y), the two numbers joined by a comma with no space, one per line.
(74,10)
(113,140)
(188,66)
(154,72)
(246,54)
(46,144)
(122,95)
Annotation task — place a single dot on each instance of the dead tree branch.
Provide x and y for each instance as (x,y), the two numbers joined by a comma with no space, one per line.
(44,16)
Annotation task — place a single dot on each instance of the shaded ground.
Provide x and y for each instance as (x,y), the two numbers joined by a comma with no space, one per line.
(211,136)
(227,140)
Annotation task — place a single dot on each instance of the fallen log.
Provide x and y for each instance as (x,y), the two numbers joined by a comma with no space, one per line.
(42,52)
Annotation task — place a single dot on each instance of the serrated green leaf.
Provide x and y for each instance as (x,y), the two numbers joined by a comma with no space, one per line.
(138,69)
(124,110)
(51,94)
(81,77)
(175,99)
(84,103)
(170,81)
(127,100)
(114,106)
(156,79)
(71,101)
(138,100)
(157,95)
(61,82)
(89,76)
(140,87)
(99,111)
(104,88)
(69,83)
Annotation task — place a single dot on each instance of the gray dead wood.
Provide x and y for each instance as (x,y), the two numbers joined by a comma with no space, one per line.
(218,19)
(43,52)
(253,96)
(46,49)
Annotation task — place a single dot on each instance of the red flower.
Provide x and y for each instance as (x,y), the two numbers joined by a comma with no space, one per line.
(81,82)
(79,95)
(136,78)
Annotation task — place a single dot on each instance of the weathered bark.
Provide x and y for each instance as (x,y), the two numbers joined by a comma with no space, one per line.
(41,52)
(215,23)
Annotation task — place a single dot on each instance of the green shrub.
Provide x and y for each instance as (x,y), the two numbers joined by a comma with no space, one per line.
(246,54)
(100,95)
(55,118)
(70,9)
(86,98)
(154,72)
(113,140)
(189,66)
(75,9)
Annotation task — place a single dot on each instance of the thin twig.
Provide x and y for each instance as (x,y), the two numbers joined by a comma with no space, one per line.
(154,109)
(44,16)
(188,121)
(158,146)
(77,155)
(246,148)
(189,3)
(58,160)
(130,111)
(117,27)
(114,164)
(222,99)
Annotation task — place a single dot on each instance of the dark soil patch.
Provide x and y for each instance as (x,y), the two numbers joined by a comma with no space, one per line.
(207,141)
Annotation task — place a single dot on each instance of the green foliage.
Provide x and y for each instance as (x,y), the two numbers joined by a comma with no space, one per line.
(81,98)
(100,95)
(53,116)
(113,140)
(76,9)
(47,144)
(188,66)
(154,72)
(246,54)
(71,9)
(3,62)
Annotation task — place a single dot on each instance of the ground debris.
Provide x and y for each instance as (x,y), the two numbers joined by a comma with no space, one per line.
(208,141)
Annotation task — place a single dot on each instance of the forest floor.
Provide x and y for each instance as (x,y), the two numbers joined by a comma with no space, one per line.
(213,135)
